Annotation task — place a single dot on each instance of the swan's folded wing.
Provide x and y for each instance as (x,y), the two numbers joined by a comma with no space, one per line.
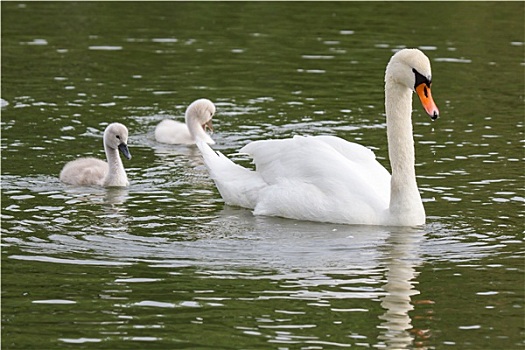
(356,153)
(236,184)
(299,158)
(355,177)
(351,150)
(85,172)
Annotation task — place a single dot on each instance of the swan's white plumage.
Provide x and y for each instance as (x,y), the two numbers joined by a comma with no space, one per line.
(90,171)
(304,178)
(173,132)
(198,116)
(237,185)
(328,179)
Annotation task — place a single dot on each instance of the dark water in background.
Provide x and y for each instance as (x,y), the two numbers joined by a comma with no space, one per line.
(165,264)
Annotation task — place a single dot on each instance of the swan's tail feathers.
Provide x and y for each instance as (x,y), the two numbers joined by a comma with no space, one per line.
(237,185)
(207,152)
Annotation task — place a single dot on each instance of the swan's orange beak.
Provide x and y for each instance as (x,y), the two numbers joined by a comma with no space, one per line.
(423,91)
(208,125)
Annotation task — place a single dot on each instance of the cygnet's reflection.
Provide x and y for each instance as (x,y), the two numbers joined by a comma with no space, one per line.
(110,210)
(168,152)
(402,258)
(115,218)
(115,197)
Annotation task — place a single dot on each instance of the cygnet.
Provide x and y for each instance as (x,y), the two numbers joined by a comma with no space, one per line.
(96,172)
(198,117)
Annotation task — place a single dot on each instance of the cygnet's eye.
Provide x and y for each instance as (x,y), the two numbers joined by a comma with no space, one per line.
(118,137)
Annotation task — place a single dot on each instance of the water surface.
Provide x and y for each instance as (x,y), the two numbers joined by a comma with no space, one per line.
(165,264)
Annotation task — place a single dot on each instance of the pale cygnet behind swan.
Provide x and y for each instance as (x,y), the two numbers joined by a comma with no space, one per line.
(96,172)
(328,179)
(198,117)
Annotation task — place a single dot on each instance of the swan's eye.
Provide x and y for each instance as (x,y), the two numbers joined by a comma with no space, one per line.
(420,79)
(118,137)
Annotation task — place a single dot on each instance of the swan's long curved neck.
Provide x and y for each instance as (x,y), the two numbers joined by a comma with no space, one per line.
(196,130)
(405,200)
(116,175)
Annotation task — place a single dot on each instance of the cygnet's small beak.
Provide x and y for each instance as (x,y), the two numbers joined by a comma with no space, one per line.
(208,125)
(423,91)
(125,151)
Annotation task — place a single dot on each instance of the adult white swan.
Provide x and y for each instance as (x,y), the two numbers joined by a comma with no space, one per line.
(198,117)
(328,179)
(96,172)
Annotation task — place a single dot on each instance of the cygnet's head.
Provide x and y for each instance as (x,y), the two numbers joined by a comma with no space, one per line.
(201,110)
(116,137)
(411,68)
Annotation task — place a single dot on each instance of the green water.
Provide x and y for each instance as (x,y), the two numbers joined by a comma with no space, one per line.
(164,264)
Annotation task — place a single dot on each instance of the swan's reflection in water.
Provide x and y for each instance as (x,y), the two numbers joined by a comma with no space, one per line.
(353,251)
(115,212)
(402,258)
(115,197)
(110,196)
(101,210)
